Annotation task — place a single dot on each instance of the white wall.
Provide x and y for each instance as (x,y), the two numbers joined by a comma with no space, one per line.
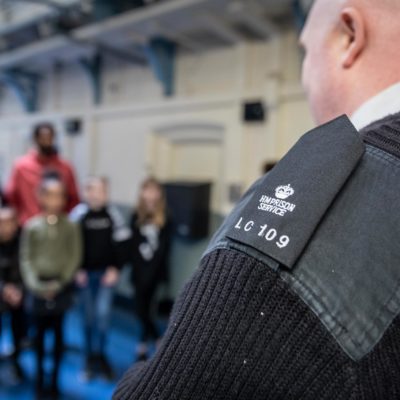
(211,88)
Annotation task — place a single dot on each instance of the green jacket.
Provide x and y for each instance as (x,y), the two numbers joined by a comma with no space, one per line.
(49,252)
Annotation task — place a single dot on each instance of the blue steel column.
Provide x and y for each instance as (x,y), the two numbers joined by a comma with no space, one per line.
(25,86)
(94,69)
(161,54)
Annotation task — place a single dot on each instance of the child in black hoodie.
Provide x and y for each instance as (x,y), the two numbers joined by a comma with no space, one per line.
(105,239)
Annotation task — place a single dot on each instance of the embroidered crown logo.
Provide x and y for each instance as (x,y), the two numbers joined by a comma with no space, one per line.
(283,192)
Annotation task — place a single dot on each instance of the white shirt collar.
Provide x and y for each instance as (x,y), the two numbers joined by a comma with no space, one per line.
(383,104)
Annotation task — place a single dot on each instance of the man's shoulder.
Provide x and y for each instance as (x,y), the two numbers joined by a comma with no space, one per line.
(79,212)
(63,163)
(121,229)
(25,160)
(325,217)
(114,211)
(384,134)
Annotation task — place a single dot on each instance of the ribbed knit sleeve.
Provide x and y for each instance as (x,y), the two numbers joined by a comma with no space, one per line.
(238,332)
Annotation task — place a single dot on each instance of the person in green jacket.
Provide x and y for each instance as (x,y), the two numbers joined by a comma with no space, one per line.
(50,255)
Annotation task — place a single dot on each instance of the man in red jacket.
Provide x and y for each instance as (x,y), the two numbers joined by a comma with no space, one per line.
(29,170)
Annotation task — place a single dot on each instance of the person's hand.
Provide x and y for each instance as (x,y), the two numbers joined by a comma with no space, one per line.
(110,277)
(81,278)
(49,294)
(12,295)
(52,287)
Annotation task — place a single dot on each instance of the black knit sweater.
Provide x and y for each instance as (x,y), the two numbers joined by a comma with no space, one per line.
(238,331)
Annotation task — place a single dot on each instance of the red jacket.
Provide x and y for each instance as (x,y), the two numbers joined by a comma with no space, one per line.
(28,170)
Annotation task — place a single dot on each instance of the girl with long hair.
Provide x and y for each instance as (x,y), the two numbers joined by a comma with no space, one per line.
(151,243)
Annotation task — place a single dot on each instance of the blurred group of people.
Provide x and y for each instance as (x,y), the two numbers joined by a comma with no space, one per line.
(55,249)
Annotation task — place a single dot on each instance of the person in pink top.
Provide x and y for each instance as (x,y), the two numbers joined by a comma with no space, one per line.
(28,171)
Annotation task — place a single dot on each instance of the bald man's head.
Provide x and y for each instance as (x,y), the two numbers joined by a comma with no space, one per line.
(351,53)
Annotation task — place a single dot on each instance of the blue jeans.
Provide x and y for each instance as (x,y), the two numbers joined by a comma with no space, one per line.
(96,301)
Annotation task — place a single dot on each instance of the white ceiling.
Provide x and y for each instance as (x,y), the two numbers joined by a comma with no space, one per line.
(195,25)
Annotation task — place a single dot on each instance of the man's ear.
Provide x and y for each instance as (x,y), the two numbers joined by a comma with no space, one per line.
(353,27)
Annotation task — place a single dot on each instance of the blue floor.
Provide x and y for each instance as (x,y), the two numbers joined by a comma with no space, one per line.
(120,351)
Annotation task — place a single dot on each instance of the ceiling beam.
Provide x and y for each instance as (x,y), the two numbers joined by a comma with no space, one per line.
(48,3)
(181,39)
(221,28)
(41,48)
(251,14)
(135,16)
(132,57)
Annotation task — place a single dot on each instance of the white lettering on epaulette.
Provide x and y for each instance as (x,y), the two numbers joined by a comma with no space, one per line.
(277,205)
(269,234)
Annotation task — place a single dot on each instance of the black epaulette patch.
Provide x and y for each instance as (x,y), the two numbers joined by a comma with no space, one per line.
(284,212)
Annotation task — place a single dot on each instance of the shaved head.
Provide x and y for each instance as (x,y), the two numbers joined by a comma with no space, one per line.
(351,53)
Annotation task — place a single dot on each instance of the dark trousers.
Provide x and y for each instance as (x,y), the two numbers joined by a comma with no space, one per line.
(144,301)
(18,329)
(48,323)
